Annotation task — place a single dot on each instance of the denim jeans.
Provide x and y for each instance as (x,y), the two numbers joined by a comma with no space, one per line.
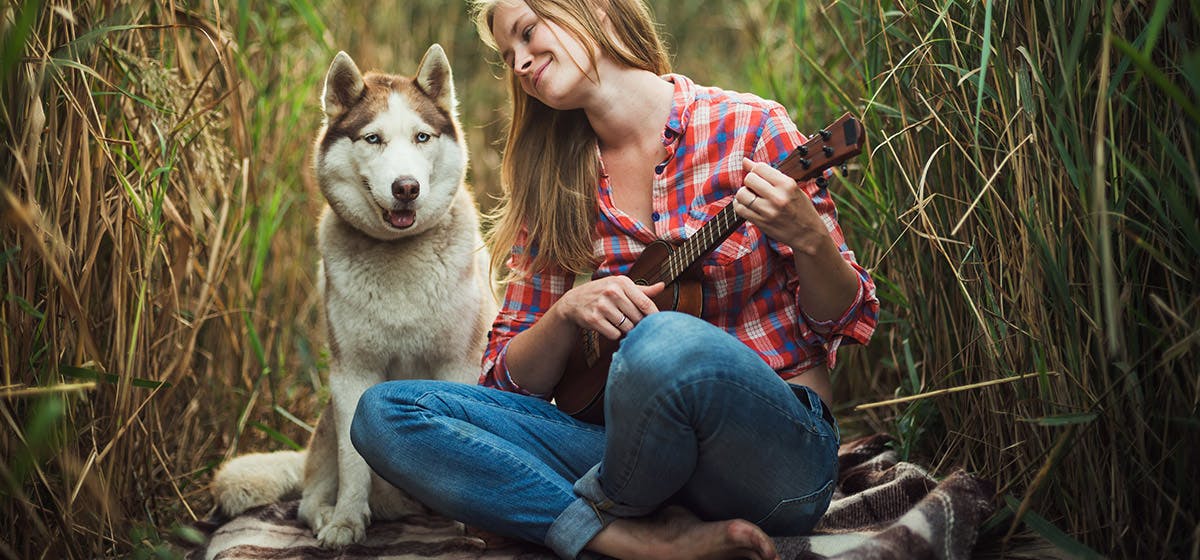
(694,418)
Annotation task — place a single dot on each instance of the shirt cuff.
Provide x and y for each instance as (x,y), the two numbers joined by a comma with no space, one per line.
(505,381)
(836,326)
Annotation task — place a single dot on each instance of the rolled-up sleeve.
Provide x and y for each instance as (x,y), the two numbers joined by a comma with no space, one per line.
(857,323)
(527,297)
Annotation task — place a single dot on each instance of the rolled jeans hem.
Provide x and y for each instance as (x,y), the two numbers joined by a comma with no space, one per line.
(575,527)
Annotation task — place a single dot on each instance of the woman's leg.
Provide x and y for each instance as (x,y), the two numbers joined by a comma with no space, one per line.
(495,460)
(695,417)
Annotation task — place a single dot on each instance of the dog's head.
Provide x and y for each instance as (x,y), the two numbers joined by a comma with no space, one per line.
(390,156)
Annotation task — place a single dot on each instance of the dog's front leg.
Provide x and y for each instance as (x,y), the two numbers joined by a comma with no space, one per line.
(352,512)
(320,473)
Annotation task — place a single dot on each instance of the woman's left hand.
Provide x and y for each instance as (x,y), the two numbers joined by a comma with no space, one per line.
(778,206)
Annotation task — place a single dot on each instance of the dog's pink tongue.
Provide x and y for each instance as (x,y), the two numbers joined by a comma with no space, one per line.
(402,218)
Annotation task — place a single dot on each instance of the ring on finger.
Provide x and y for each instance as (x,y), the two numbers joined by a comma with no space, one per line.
(752,201)
(622,321)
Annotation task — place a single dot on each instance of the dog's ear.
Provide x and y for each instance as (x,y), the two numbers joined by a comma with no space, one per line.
(433,77)
(343,86)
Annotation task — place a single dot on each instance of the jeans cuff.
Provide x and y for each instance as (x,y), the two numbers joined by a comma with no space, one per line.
(588,486)
(575,527)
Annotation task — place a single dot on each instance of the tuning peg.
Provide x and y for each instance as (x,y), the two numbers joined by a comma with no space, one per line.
(845,170)
(822,182)
(803,150)
(805,163)
(825,134)
(828,151)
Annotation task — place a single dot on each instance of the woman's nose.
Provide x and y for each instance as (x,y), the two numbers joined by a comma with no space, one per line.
(523,63)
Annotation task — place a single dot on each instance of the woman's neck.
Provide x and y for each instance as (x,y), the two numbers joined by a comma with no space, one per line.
(632,106)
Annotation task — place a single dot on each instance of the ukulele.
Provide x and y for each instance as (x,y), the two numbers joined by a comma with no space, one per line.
(580,392)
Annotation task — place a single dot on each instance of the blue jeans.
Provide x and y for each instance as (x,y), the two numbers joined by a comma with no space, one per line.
(694,418)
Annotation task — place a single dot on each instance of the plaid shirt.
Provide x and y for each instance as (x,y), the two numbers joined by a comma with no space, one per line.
(750,285)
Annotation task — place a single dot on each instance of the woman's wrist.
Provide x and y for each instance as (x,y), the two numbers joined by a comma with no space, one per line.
(809,239)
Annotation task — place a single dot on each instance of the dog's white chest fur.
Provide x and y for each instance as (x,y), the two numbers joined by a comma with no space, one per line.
(401,306)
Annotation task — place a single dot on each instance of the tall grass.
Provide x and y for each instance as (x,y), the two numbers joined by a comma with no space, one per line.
(1028,208)
(1031,210)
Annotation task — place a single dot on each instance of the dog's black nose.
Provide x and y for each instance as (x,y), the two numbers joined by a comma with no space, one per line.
(406,189)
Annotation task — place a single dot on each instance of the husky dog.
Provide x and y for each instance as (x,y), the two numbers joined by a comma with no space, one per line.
(404,278)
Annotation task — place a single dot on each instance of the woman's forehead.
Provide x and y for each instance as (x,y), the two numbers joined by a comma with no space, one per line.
(504,12)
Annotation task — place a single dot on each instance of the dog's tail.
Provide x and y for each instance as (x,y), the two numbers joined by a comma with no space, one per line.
(258,479)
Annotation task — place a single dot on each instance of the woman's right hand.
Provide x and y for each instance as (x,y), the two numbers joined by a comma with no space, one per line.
(610,306)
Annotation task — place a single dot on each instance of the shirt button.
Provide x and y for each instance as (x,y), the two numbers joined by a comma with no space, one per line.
(655,216)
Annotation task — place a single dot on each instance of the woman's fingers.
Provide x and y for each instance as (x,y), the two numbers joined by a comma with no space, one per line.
(611,306)
(635,305)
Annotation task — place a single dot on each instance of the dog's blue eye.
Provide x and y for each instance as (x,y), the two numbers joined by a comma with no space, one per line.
(423,137)
(372,139)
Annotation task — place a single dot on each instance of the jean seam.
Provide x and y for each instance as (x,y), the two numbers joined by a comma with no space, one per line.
(584,425)
(805,499)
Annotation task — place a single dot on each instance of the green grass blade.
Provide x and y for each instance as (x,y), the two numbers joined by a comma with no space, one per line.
(983,66)
(1157,76)
(277,435)
(1053,534)
(92,375)
(17,36)
(1063,419)
(308,11)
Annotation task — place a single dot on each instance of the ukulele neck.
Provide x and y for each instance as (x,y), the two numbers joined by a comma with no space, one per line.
(711,234)
(827,148)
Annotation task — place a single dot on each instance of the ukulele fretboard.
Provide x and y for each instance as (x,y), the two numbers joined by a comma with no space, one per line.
(711,234)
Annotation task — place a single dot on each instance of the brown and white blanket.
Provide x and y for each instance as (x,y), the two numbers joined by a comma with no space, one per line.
(883,508)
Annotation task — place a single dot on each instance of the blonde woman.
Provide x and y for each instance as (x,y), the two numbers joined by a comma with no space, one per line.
(718,431)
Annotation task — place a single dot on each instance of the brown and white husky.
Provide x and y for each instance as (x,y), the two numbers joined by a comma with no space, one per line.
(404,278)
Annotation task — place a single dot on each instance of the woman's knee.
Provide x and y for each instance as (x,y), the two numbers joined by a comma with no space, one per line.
(370,416)
(666,347)
(384,408)
(661,339)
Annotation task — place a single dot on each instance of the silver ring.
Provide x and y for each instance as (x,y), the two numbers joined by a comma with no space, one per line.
(752,201)
(622,321)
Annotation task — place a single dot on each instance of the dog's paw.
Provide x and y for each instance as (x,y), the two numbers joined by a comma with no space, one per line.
(315,515)
(341,532)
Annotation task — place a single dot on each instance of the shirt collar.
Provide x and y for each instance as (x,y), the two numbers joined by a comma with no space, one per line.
(681,107)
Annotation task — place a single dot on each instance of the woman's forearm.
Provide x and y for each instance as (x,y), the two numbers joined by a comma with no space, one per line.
(828,284)
(536,357)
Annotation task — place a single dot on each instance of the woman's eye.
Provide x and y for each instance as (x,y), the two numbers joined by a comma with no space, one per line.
(526,33)
(423,137)
(372,138)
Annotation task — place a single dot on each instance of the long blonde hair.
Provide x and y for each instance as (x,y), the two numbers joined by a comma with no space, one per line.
(550,171)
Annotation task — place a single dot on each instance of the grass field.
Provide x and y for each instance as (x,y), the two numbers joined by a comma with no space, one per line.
(1029,208)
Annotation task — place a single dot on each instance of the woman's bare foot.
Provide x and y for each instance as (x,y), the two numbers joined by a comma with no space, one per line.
(677,533)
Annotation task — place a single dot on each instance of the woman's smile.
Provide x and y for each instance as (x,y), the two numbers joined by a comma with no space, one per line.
(537,76)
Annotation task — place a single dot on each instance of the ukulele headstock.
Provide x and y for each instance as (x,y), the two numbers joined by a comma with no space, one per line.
(827,148)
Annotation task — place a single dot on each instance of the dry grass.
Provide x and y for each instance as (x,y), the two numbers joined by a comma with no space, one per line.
(1031,211)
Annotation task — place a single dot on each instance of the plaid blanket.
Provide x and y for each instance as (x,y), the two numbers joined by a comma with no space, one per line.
(883,508)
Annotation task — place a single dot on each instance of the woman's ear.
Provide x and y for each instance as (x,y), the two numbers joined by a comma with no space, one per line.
(600,10)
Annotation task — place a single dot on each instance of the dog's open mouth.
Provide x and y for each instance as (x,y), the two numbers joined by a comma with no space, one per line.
(400,219)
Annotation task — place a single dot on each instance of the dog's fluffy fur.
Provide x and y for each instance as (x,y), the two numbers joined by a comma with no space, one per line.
(404,278)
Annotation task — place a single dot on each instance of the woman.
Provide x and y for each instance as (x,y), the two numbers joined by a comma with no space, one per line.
(706,449)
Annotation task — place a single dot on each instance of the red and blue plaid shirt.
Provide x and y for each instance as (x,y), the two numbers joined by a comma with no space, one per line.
(750,285)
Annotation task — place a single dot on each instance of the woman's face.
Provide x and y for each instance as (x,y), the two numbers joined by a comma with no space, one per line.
(547,60)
